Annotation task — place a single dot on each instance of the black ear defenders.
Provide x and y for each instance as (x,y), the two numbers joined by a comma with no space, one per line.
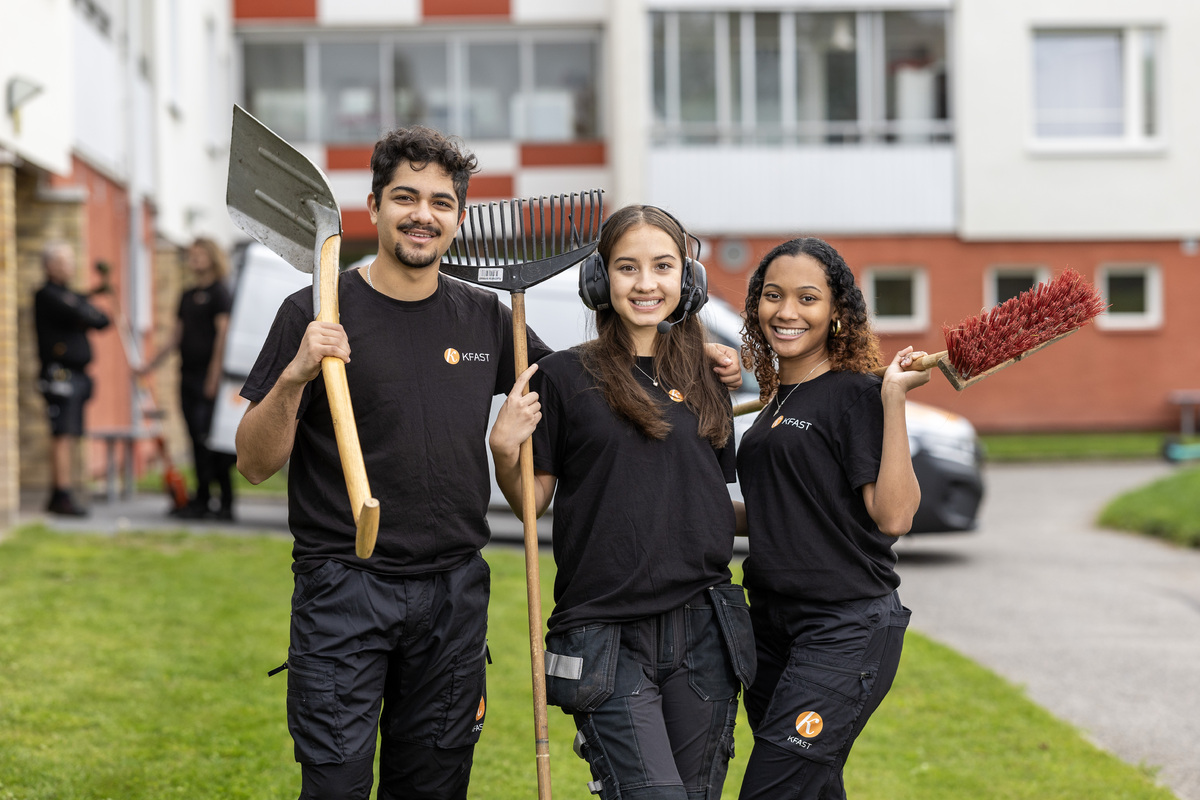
(693,291)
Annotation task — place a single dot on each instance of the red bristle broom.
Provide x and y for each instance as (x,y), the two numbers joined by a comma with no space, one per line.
(1020,326)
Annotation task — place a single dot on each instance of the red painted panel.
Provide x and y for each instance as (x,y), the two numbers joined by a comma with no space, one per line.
(356,226)
(348,157)
(274,9)
(466,8)
(486,187)
(566,154)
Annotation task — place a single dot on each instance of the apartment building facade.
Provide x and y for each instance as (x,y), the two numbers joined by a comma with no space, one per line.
(955,152)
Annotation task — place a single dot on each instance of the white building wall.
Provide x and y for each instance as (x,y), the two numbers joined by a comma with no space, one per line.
(100,105)
(192,118)
(29,53)
(1016,188)
(820,190)
(560,10)
(368,12)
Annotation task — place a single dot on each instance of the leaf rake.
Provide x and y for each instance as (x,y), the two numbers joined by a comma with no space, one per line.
(515,244)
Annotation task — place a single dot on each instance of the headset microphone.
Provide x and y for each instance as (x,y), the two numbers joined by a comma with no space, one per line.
(665,327)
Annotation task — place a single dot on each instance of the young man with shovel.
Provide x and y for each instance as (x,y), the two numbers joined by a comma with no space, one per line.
(404,630)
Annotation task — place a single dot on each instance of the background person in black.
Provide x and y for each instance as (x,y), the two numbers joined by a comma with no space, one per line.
(199,336)
(62,318)
(828,485)
(635,436)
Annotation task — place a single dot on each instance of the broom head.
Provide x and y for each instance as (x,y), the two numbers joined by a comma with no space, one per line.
(984,344)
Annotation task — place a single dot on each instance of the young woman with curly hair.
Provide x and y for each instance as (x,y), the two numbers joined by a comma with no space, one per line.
(828,487)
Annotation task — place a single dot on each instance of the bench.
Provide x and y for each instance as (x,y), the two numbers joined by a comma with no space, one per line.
(1187,400)
(125,439)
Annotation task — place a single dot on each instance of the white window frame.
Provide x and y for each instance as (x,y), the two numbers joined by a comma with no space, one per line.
(1041,274)
(1152,317)
(1134,141)
(919,319)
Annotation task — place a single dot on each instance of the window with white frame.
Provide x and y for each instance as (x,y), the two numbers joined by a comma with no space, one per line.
(525,85)
(1006,282)
(800,77)
(898,298)
(1097,86)
(1134,294)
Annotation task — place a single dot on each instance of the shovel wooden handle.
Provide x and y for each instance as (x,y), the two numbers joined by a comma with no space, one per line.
(364,506)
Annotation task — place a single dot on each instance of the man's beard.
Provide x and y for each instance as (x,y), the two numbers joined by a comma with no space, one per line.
(416,259)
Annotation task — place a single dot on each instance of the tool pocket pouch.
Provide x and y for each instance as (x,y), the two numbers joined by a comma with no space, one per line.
(733,617)
(581,667)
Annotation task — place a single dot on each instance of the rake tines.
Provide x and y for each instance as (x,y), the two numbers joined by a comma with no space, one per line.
(515,244)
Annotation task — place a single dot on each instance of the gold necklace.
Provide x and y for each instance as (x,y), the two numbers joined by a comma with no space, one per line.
(779,405)
(674,394)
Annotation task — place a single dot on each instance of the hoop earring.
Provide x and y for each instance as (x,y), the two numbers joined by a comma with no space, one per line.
(837,327)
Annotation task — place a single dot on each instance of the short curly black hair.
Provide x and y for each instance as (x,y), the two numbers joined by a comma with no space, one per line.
(421,146)
(855,347)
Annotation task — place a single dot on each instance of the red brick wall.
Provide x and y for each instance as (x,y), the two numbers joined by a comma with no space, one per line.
(1093,380)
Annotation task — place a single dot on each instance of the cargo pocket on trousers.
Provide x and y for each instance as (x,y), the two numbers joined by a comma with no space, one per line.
(815,708)
(581,667)
(312,712)
(733,615)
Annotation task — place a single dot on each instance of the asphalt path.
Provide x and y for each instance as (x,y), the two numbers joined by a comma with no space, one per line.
(1100,628)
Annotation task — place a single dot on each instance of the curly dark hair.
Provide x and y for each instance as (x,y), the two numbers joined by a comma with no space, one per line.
(855,348)
(420,146)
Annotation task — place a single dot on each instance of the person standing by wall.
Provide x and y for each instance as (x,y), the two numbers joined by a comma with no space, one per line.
(63,318)
(199,336)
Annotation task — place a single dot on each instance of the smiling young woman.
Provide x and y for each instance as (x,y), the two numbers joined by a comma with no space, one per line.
(649,640)
(828,485)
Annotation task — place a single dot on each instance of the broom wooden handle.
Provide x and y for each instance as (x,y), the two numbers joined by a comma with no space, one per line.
(364,507)
(922,364)
(533,583)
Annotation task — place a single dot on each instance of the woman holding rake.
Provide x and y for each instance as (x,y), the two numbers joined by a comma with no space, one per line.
(648,640)
(828,486)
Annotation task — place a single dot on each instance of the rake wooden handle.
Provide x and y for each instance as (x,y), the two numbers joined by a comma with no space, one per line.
(533,583)
(364,507)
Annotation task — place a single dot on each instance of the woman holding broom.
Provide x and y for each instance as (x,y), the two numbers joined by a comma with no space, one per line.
(828,487)
(648,640)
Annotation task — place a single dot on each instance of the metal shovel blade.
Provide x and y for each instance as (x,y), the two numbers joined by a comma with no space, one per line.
(271,190)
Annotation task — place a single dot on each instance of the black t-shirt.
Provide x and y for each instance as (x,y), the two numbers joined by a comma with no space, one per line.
(62,318)
(802,470)
(640,526)
(421,375)
(199,308)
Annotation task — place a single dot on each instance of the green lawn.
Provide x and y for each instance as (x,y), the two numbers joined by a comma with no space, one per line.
(1071,446)
(1168,508)
(134,668)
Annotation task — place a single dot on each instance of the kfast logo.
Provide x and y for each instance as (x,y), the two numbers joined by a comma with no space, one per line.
(453,356)
(792,421)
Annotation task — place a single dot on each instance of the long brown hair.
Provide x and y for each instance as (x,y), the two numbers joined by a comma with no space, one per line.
(854,348)
(216,257)
(680,359)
